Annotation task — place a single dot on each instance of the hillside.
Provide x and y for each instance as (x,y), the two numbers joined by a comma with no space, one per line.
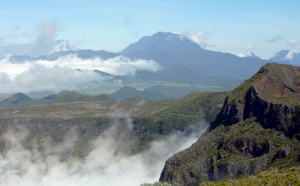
(57,114)
(257,128)
(17,100)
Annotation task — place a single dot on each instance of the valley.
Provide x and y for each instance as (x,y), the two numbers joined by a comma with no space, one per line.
(68,128)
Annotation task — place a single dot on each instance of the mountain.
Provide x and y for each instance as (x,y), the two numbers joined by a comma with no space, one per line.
(129,92)
(257,128)
(16,100)
(183,63)
(36,49)
(287,57)
(249,54)
(183,60)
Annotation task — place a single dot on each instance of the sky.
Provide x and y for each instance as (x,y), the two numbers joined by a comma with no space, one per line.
(234,26)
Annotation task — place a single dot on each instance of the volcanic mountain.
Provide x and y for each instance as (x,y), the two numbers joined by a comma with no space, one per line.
(185,61)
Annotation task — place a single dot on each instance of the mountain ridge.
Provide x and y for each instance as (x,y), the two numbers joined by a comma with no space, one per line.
(253,131)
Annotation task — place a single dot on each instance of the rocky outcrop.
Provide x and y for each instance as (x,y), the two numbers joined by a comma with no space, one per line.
(258,127)
(279,116)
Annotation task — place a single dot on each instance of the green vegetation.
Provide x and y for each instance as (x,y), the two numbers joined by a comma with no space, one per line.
(257,128)
(283,177)
(274,82)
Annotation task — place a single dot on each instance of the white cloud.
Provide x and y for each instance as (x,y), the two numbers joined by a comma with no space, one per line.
(295,43)
(119,66)
(199,38)
(295,48)
(47,31)
(249,47)
(62,74)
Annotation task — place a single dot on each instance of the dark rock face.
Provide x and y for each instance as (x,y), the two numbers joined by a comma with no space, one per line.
(258,127)
(268,114)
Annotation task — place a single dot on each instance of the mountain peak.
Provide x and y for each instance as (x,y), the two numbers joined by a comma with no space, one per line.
(17,100)
(159,40)
(61,46)
(273,84)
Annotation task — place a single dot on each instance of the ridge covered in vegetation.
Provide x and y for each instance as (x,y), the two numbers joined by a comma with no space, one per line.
(55,115)
(257,128)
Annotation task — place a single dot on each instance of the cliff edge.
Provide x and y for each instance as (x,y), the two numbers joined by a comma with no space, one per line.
(257,128)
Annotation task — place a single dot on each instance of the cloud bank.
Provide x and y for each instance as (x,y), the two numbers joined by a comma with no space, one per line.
(63,73)
(47,32)
(106,164)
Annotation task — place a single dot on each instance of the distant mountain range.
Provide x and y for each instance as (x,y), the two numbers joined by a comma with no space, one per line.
(19,99)
(36,49)
(185,61)
(287,57)
(182,62)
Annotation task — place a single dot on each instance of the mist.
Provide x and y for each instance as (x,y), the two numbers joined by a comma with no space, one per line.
(108,162)
(63,74)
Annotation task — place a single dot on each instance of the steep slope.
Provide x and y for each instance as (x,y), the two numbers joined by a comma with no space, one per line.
(257,128)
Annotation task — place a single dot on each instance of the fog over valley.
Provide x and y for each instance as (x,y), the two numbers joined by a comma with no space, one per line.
(109,157)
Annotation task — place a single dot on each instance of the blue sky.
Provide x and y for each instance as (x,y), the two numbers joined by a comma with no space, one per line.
(234,26)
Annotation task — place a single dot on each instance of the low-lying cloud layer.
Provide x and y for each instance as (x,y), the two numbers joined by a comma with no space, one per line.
(106,164)
(63,73)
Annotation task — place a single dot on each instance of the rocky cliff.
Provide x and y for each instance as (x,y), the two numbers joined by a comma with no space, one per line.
(257,128)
